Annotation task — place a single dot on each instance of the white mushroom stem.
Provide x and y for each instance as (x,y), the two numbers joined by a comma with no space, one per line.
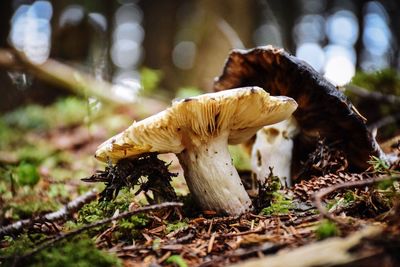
(212,178)
(273,148)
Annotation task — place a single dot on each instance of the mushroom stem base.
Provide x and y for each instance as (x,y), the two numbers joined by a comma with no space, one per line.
(213,180)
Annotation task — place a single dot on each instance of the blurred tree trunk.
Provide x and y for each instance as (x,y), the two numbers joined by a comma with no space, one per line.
(225,25)
(393,9)
(287,13)
(5,17)
(160,25)
(203,27)
(358,46)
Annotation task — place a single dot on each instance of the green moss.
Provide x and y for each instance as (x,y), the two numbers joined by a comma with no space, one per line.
(270,201)
(30,117)
(57,191)
(26,174)
(95,211)
(15,246)
(386,81)
(386,185)
(279,205)
(91,212)
(130,228)
(80,251)
(68,111)
(8,136)
(34,153)
(27,209)
(65,112)
(177,260)
(326,229)
(175,226)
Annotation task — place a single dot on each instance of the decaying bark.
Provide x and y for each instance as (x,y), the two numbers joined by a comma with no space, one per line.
(323,113)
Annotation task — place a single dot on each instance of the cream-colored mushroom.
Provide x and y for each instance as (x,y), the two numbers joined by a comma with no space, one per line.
(273,148)
(198,130)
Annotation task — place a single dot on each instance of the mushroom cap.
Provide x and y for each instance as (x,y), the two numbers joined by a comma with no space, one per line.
(323,113)
(194,121)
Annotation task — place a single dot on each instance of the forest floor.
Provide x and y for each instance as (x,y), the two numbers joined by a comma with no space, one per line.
(50,217)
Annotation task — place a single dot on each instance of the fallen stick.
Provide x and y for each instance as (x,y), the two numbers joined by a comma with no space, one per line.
(320,195)
(75,232)
(75,81)
(60,214)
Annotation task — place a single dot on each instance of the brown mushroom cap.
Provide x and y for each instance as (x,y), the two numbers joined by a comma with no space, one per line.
(193,121)
(323,112)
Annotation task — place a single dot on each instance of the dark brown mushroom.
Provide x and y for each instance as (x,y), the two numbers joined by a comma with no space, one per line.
(323,112)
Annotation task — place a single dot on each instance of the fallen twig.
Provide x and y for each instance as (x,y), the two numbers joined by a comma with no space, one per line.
(320,195)
(73,80)
(75,232)
(62,213)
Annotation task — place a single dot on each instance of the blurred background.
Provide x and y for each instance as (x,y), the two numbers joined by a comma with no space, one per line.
(178,46)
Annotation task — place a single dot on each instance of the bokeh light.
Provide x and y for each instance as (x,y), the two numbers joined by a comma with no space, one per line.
(313,54)
(309,28)
(72,15)
(342,28)
(31,30)
(126,50)
(184,54)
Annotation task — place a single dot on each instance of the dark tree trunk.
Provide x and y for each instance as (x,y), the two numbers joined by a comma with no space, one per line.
(5,17)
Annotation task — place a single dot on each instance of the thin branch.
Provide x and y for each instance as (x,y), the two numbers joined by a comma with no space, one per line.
(62,213)
(75,81)
(322,194)
(78,231)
